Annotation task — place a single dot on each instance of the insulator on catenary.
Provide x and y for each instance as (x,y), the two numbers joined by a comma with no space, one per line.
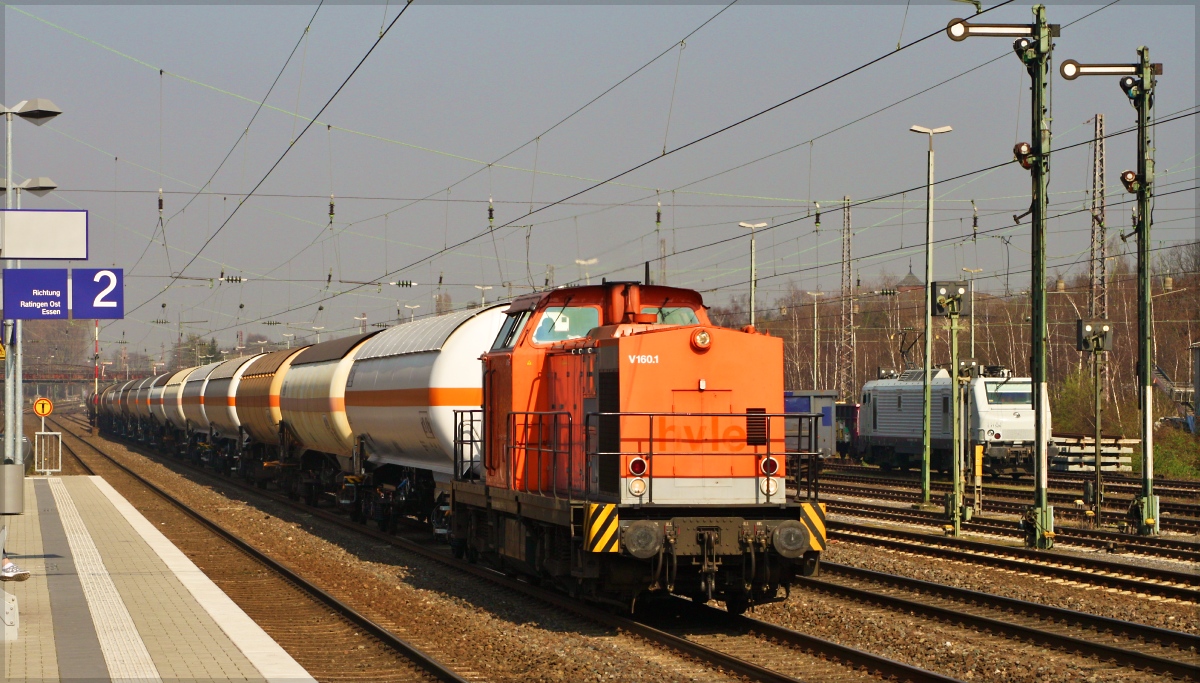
(491,211)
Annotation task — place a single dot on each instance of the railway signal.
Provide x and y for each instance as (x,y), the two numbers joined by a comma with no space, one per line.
(1137,82)
(949,300)
(1096,336)
(1033,46)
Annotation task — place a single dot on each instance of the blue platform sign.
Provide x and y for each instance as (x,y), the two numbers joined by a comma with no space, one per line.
(98,293)
(35,294)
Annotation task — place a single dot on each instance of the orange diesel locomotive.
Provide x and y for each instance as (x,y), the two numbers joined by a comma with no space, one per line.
(625,444)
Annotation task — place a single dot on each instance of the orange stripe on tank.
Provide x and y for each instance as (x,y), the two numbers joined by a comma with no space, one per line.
(315,405)
(427,396)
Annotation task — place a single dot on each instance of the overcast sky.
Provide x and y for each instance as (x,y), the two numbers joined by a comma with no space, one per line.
(405,147)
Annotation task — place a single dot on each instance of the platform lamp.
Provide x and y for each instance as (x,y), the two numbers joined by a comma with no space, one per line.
(482,296)
(412,311)
(753,264)
(37,111)
(1137,82)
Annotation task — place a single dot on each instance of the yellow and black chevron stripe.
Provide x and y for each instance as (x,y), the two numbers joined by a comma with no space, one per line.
(813,517)
(600,529)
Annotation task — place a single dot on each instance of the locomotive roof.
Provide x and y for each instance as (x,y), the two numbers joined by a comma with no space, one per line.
(418,336)
(268,364)
(650,294)
(331,350)
(230,367)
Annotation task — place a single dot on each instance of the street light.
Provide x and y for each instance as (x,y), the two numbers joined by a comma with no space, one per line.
(318,329)
(816,338)
(482,289)
(753,265)
(583,265)
(972,271)
(37,111)
(289,338)
(362,323)
(412,311)
(926,449)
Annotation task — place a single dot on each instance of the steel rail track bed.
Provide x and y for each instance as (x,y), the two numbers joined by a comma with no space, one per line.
(1183,488)
(820,649)
(1173,653)
(1119,576)
(1111,541)
(1014,507)
(418,657)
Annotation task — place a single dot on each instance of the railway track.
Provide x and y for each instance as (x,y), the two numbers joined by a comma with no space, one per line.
(1012,507)
(1073,481)
(1109,541)
(743,642)
(1146,648)
(1113,576)
(293,611)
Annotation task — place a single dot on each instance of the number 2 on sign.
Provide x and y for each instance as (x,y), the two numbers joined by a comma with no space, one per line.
(100,302)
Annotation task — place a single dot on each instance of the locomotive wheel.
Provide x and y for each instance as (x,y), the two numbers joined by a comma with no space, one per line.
(737,603)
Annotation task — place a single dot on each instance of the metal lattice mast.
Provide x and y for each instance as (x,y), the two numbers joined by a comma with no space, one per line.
(845,355)
(1099,279)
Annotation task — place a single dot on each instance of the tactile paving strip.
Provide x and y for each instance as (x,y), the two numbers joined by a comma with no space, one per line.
(124,652)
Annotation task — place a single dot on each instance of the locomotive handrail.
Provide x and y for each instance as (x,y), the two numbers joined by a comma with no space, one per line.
(792,458)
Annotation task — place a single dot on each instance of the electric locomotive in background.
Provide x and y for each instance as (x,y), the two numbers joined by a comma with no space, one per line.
(999,414)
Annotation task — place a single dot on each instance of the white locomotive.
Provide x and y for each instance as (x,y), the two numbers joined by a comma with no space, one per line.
(998,410)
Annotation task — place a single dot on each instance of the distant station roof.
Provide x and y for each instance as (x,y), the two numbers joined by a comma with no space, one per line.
(910,281)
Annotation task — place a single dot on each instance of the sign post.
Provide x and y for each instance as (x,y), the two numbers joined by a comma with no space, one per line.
(46,444)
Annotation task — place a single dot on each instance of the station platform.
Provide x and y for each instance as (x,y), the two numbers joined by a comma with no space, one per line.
(111,598)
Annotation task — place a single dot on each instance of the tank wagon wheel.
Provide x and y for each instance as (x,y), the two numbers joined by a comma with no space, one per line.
(737,603)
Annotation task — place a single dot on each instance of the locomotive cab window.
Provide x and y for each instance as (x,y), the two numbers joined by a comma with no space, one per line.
(510,331)
(673,315)
(1009,392)
(561,323)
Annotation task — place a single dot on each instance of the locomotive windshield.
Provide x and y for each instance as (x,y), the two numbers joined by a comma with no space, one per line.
(566,322)
(1009,392)
(510,331)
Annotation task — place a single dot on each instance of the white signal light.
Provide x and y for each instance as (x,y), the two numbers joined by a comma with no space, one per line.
(769,486)
(637,486)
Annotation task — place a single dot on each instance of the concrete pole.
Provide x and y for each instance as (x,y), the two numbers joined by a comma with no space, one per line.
(18,380)
(956,448)
(753,276)
(1098,391)
(926,443)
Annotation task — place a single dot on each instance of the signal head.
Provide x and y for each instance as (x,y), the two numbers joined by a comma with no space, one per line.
(1020,45)
(1023,152)
(1130,180)
(1130,86)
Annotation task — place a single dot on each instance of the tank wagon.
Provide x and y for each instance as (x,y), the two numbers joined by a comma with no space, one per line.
(607,438)
(998,410)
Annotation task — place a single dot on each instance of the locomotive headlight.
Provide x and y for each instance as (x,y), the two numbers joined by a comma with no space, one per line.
(790,539)
(701,340)
(643,539)
(769,486)
(990,432)
(637,487)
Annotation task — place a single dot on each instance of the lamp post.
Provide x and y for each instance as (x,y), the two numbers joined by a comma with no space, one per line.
(583,264)
(972,271)
(1138,81)
(482,289)
(37,111)
(926,447)
(362,323)
(289,338)
(318,329)
(753,265)
(412,311)
(816,338)
(1033,45)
